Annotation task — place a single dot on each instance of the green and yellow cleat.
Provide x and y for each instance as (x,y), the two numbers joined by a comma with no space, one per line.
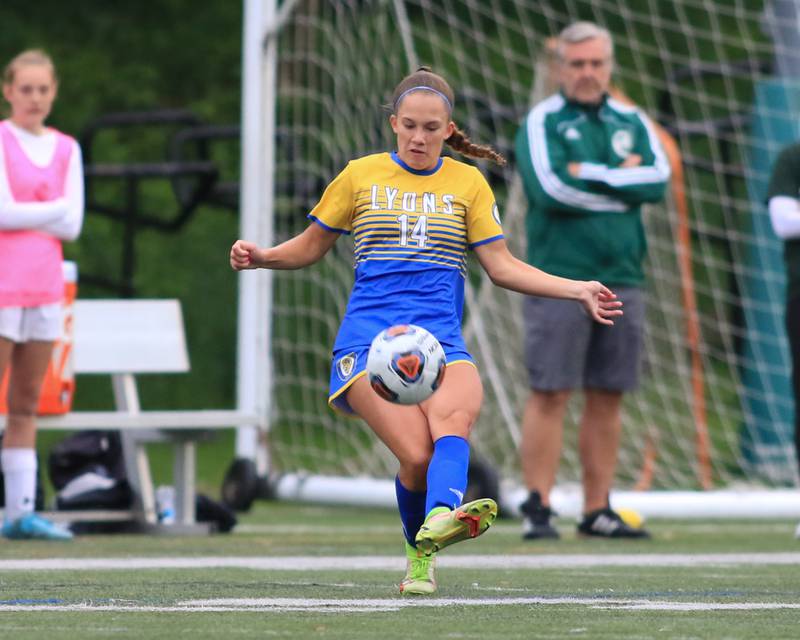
(420,579)
(444,527)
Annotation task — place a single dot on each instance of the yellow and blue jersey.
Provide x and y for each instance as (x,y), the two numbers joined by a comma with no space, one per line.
(411,230)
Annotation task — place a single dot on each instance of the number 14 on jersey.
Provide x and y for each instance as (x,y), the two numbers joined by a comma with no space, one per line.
(419,233)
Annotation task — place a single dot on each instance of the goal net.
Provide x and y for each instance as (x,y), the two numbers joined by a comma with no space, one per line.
(715,407)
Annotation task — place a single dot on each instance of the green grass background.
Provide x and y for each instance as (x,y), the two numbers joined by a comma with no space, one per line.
(282,529)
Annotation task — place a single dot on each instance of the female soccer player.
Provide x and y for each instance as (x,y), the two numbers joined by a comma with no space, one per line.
(412,215)
(41,204)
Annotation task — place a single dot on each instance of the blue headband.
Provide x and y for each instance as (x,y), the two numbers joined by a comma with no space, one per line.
(422,87)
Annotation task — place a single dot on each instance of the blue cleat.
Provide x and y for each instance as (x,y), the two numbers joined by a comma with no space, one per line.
(34,527)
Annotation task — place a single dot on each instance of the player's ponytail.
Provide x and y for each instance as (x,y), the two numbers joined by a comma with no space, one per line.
(423,79)
(461,143)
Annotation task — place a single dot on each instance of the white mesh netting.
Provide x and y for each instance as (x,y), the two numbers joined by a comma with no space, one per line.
(715,406)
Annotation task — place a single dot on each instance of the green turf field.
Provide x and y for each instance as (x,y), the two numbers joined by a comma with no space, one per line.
(293,571)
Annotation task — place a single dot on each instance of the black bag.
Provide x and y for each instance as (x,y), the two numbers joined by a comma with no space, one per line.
(88,471)
(84,450)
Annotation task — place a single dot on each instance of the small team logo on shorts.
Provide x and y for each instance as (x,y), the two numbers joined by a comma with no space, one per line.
(346,365)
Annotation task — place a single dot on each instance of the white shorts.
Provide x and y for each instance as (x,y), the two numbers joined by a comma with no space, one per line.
(24,324)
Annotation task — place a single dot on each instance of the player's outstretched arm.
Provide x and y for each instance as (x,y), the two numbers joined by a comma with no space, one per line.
(304,249)
(508,272)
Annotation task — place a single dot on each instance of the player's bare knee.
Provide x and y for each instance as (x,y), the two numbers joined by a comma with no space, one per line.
(457,422)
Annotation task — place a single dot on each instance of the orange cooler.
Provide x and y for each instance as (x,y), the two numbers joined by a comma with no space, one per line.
(59,381)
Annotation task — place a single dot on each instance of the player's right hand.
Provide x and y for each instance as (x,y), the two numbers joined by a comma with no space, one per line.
(633,160)
(600,302)
(244,255)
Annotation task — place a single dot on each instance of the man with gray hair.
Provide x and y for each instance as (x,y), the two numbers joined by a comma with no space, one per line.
(588,162)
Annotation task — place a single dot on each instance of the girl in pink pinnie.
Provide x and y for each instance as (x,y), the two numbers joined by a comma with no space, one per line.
(41,205)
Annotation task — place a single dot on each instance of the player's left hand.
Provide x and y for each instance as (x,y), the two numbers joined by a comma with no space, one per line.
(600,302)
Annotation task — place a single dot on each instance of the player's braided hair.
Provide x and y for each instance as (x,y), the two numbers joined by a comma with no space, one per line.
(461,143)
(424,79)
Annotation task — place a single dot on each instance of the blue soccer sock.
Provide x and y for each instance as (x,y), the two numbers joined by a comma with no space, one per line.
(412,510)
(447,473)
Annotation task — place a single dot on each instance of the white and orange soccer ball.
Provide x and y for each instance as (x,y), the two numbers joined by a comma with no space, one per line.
(406,364)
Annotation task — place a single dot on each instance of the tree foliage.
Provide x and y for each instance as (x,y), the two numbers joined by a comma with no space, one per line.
(114,57)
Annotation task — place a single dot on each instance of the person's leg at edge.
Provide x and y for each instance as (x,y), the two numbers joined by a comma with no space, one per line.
(29,362)
(793,333)
(6,348)
(598,444)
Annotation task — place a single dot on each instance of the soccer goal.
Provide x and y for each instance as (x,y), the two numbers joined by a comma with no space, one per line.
(714,414)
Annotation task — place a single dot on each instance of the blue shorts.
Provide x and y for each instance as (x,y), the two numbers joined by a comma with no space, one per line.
(348,365)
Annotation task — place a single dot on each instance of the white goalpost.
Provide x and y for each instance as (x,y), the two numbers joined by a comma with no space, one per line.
(710,432)
(254,378)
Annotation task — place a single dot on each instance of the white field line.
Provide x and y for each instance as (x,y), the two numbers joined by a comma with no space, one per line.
(513,528)
(266,529)
(396,563)
(332,605)
(319,603)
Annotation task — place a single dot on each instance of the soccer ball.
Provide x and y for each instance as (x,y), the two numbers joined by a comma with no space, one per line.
(405,364)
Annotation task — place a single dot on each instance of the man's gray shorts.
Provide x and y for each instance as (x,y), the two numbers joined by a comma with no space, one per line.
(566,349)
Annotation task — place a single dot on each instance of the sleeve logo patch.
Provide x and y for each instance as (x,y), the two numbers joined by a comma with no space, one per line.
(496,213)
